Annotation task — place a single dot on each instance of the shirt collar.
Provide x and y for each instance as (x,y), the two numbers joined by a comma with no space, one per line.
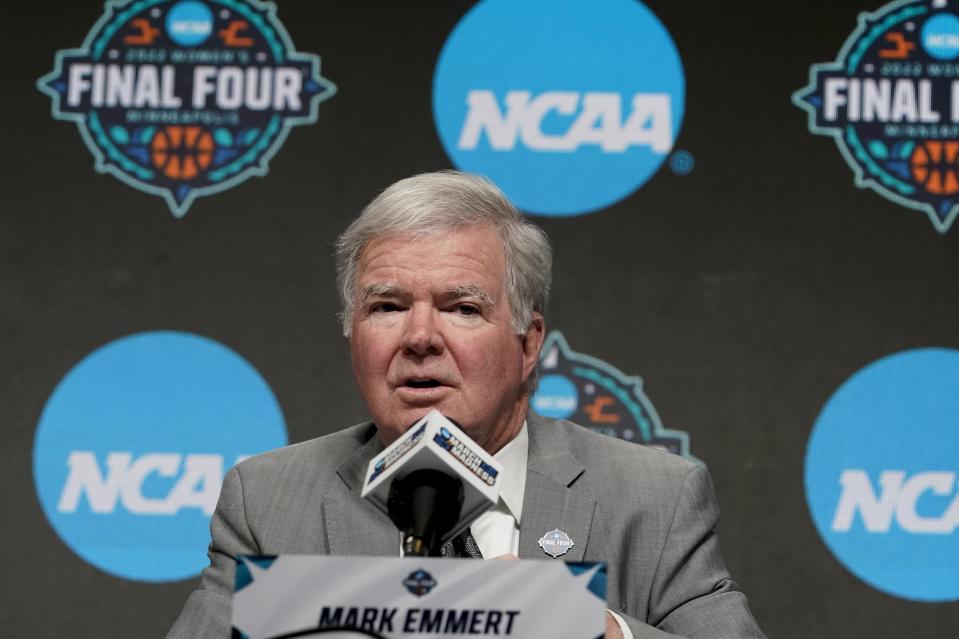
(513,456)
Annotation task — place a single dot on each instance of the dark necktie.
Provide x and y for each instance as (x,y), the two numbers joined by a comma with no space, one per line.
(461,546)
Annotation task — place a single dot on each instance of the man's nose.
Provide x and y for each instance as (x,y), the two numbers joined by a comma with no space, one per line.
(422,335)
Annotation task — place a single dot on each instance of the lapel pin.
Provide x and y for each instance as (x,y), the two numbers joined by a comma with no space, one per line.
(555,543)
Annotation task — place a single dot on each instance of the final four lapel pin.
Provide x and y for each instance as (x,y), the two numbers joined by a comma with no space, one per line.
(555,543)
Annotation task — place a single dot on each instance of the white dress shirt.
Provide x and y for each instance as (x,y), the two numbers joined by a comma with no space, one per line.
(497,530)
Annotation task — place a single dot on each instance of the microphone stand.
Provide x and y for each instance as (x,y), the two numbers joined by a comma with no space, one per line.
(425,505)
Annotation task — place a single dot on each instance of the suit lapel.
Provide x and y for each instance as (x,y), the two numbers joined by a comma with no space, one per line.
(353,525)
(551,501)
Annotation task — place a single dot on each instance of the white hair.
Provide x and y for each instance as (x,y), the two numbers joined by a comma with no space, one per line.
(443,201)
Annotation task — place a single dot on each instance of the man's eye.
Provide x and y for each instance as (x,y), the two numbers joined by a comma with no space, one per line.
(467,309)
(384,307)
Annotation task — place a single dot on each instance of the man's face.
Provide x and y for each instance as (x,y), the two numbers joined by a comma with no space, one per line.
(431,329)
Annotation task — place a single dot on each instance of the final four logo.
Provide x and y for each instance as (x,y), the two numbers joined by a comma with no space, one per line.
(891,102)
(590,392)
(186,98)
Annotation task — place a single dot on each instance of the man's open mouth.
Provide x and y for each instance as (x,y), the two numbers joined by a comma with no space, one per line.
(422,383)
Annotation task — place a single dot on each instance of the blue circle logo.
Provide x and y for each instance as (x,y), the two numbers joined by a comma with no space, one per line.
(568,106)
(556,396)
(189,23)
(881,474)
(940,36)
(132,446)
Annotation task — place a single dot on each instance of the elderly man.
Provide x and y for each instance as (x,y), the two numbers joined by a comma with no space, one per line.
(443,285)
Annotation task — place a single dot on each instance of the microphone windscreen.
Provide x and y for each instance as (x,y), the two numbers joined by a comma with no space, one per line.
(436,443)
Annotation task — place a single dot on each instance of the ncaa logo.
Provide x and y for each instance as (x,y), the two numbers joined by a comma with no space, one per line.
(568,106)
(132,446)
(882,474)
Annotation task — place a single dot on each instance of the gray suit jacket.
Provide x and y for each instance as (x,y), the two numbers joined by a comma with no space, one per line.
(651,515)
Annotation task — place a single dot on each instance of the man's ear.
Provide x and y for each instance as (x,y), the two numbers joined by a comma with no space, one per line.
(532,343)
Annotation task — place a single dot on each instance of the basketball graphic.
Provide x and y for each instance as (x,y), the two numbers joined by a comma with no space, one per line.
(181,152)
(594,393)
(889,101)
(934,166)
(175,125)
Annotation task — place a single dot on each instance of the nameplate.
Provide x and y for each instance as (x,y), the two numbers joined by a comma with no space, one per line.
(322,597)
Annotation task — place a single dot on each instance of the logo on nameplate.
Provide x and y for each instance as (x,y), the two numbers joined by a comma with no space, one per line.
(419,582)
(890,100)
(185,98)
(555,543)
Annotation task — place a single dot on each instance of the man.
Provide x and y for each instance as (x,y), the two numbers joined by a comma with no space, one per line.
(444,285)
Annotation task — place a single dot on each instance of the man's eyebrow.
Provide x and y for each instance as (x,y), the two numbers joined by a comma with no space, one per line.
(459,292)
(379,290)
(372,291)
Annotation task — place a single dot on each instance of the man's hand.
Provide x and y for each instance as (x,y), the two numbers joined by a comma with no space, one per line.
(612,627)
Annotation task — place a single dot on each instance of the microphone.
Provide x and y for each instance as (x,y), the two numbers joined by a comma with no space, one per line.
(432,482)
